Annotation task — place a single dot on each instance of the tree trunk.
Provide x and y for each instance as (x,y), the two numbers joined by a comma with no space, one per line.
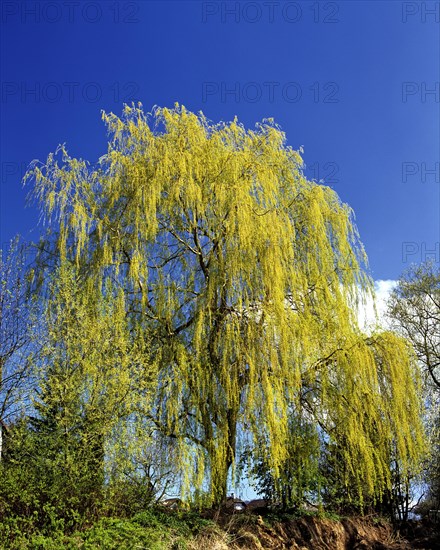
(220,471)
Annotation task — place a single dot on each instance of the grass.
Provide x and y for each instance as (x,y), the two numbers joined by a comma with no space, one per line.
(150,530)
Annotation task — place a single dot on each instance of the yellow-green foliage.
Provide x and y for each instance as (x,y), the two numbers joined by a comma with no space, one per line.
(239,272)
(93,371)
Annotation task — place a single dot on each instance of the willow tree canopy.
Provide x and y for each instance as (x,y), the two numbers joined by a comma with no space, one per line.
(242,274)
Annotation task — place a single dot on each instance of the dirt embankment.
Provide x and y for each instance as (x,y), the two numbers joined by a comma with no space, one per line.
(312,533)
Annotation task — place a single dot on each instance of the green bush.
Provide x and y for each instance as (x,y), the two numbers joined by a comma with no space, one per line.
(152,529)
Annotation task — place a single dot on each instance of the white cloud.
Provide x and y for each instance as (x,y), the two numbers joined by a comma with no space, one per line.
(368,318)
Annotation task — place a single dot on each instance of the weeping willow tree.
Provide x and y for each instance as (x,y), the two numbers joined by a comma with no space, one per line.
(242,274)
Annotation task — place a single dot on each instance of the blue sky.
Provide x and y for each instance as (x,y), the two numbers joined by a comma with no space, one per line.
(356,83)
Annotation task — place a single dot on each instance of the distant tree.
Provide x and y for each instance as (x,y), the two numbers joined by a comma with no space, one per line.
(16,317)
(241,275)
(414,306)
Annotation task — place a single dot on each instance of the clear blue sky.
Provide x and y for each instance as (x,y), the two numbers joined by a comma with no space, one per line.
(349,81)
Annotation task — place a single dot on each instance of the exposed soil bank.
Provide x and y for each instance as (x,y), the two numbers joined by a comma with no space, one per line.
(312,533)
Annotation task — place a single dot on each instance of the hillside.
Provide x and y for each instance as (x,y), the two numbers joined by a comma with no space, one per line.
(171,530)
